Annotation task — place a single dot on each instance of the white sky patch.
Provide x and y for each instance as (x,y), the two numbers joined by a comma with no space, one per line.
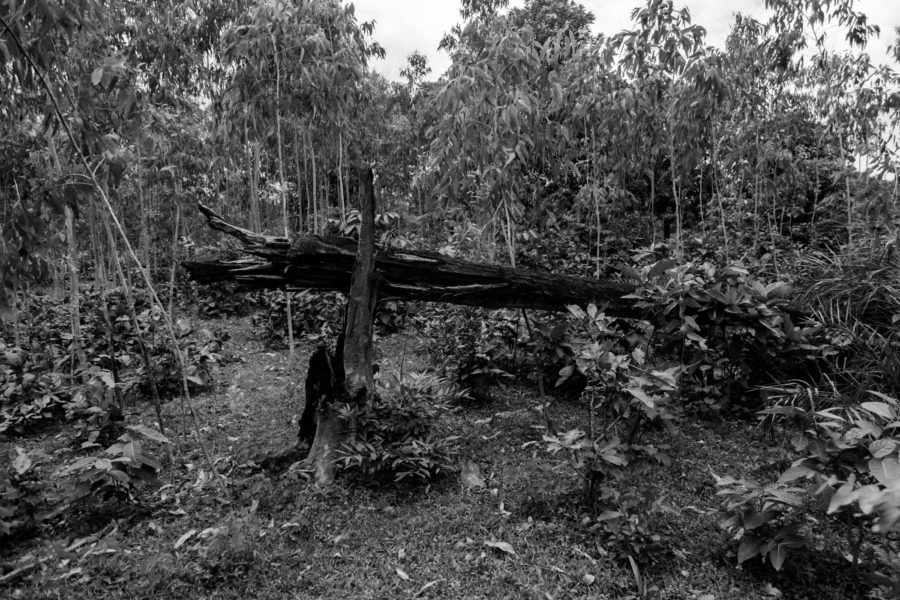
(403,26)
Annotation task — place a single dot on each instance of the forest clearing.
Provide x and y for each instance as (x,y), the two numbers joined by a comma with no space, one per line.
(583,316)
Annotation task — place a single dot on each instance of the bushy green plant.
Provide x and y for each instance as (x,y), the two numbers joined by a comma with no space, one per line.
(734,332)
(31,398)
(95,411)
(852,463)
(232,547)
(765,519)
(202,351)
(854,455)
(119,471)
(315,315)
(598,462)
(44,380)
(217,301)
(479,347)
(618,518)
(398,436)
(390,315)
(626,533)
(552,347)
(620,384)
(23,503)
(854,295)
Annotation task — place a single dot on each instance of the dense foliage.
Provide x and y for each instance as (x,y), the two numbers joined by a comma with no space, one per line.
(749,193)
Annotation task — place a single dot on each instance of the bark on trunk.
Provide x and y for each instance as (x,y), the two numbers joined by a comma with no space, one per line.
(354,354)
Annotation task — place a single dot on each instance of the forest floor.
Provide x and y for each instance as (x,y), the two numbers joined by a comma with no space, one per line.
(278,536)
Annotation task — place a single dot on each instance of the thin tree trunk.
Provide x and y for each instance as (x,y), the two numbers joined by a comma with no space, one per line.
(284,201)
(652,205)
(174,257)
(718,184)
(325,206)
(132,313)
(304,227)
(97,250)
(77,358)
(340,175)
(144,241)
(315,189)
(298,151)
(253,174)
(74,292)
(679,231)
(510,235)
(849,198)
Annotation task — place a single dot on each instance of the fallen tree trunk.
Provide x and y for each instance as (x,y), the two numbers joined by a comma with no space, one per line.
(326,263)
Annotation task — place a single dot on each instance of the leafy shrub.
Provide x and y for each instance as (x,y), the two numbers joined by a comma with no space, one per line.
(23,504)
(232,548)
(616,368)
(217,301)
(30,395)
(314,314)
(766,519)
(735,332)
(398,437)
(95,411)
(385,224)
(852,464)
(627,399)
(854,454)
(596,461)
(553,350)
(626,533)
(390,315)
(201,350)
(480,347)
(119,472)
(854,295)
(36,378)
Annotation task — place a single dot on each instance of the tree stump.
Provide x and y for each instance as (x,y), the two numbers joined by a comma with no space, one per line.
(345,378)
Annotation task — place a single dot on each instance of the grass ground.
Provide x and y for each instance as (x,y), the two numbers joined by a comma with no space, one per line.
(277,536)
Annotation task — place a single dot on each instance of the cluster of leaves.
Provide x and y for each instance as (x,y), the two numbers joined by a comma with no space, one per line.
(119,471)
(397,437)
(23,502)
(385,225)
(32,393)
(202,352)
(40,378)
(217,301)
(391,315)
(731,329)
(316,315)
(766,518)
(851,470)
(626,398)
(854,295)
(480,347)
(619,519)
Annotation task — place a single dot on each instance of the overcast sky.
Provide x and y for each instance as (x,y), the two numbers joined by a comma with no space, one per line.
(403,26)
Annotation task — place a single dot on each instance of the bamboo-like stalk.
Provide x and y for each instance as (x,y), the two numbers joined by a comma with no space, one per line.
(174,257)
(283,193)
